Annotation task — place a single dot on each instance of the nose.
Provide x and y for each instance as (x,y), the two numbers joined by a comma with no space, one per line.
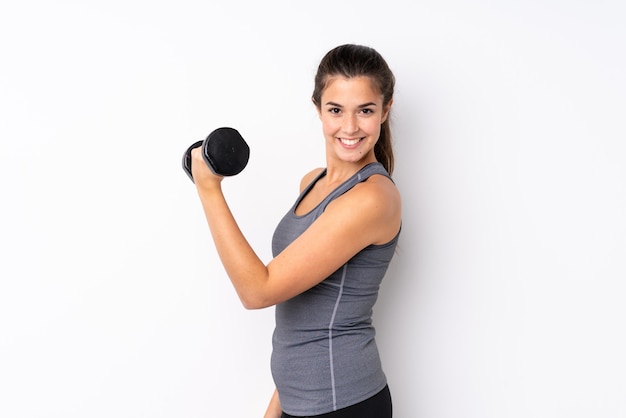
(350,124)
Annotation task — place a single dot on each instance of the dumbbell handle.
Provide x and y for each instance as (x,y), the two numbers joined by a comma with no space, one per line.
(187,159)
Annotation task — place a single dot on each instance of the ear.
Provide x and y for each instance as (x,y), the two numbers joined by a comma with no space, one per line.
(386,111)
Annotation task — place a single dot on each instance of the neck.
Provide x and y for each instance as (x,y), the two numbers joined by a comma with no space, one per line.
(339,171)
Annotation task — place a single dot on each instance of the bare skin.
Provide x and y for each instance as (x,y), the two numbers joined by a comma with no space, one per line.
(273,409)
(351,112)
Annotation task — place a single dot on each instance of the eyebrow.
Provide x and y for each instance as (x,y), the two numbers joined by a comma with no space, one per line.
(360,106)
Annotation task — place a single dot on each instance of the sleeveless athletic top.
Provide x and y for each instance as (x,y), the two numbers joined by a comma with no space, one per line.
(324,354)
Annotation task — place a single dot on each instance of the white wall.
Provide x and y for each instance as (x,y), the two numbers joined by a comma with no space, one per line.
(504,299)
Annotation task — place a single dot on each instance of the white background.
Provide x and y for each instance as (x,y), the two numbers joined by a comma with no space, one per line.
(505,298)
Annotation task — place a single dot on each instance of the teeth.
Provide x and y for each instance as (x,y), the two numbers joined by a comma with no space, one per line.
(349,141)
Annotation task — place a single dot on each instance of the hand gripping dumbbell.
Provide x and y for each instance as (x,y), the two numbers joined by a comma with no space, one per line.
(224,151)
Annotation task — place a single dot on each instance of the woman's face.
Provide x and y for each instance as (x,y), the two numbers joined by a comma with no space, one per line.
(351,111)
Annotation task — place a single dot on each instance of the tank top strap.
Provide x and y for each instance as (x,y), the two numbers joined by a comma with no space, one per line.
(359,177)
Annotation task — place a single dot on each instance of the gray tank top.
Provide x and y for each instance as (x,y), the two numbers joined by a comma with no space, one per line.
(324,354)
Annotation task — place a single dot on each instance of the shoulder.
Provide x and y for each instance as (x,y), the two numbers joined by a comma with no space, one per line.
(309,177)
(377,191)
(375,202)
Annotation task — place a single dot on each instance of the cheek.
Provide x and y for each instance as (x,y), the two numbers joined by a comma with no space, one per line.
(330,125)
(373,127)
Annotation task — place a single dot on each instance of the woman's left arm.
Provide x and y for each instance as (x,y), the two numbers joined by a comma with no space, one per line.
(367,214)
(241,263)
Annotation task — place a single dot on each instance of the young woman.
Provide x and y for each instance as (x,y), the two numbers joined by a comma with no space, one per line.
(331,250)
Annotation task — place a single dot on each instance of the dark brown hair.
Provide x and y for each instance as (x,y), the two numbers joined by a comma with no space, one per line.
(355,61)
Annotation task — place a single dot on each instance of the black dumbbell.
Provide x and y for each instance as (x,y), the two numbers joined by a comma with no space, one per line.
(224,151)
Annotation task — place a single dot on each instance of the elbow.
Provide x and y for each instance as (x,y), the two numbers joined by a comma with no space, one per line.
(250,305)
(254,302)
(257,294)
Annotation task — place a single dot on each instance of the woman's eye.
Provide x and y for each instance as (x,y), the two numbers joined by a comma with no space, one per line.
(334,110)
(367,111)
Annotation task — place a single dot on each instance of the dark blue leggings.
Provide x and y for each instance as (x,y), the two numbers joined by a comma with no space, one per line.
(378,406)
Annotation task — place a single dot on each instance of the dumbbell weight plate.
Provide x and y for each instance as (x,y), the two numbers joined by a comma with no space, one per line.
(224,151)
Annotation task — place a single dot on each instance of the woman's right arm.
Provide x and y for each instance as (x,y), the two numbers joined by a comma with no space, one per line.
(273,410)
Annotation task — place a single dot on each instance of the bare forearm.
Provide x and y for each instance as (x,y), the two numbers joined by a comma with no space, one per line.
(273,409)
(244,268)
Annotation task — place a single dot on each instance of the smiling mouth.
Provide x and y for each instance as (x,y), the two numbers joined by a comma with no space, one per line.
(350,142)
